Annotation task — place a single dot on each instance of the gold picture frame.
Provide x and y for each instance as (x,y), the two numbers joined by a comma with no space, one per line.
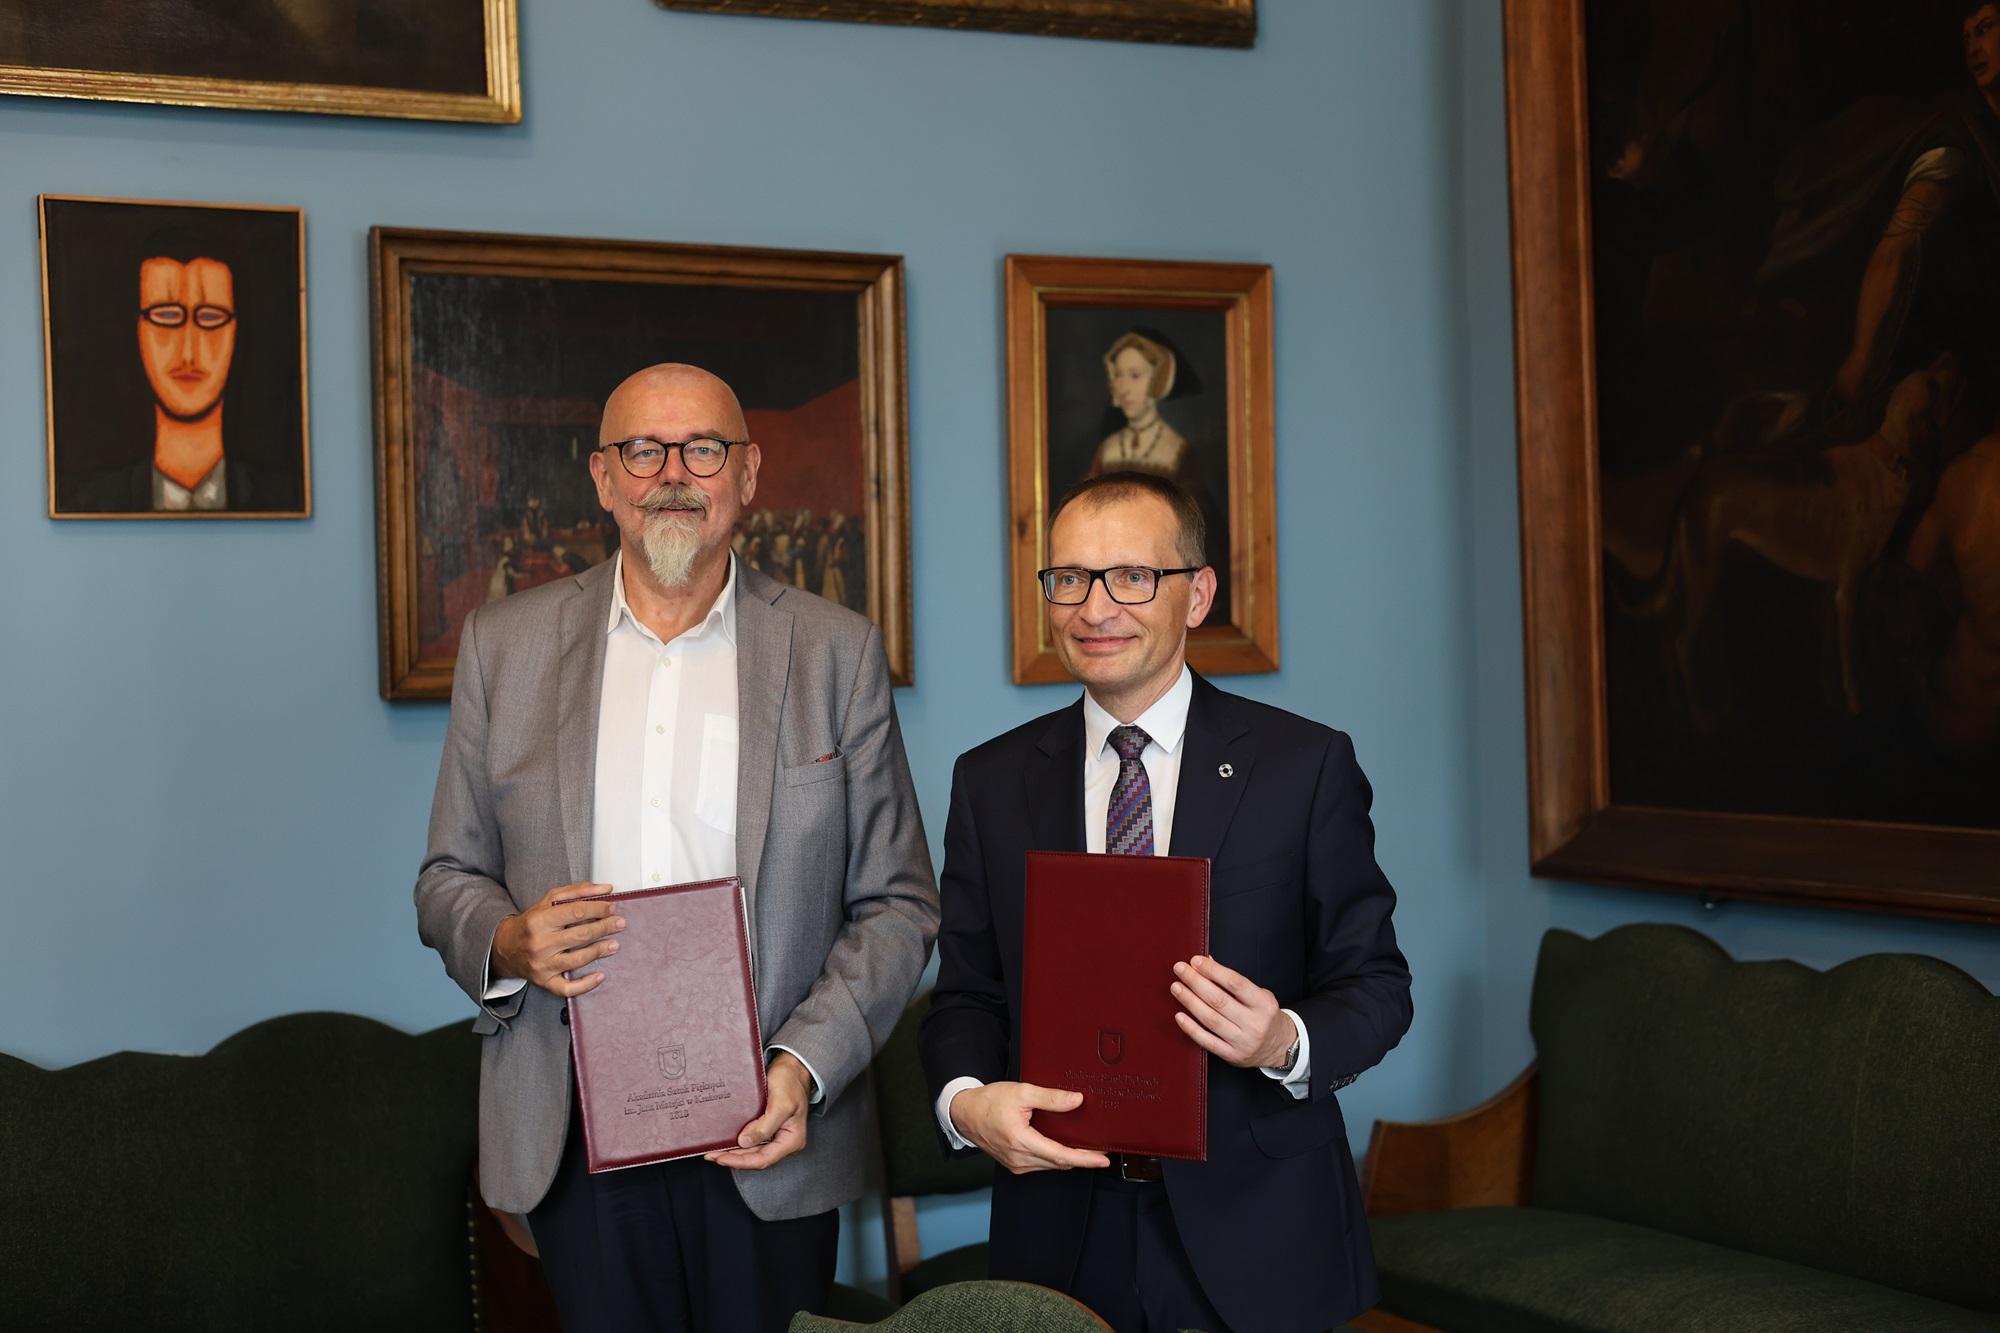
(1184,22)
(1063,316)
(123,393)
(494,354)
(462,75)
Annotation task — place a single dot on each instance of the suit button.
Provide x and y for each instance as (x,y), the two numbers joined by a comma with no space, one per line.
(565,1015)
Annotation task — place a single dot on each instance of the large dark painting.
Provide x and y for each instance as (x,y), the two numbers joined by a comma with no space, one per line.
(438,60)
(176,360)
(1760,381)
(495,355)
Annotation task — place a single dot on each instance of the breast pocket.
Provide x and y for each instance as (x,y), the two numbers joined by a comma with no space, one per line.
(824,770)
(715,799)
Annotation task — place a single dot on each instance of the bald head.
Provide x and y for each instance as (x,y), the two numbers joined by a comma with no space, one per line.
(672,401)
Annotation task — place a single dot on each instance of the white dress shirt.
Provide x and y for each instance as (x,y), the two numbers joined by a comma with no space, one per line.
(664,803)
(1165,725)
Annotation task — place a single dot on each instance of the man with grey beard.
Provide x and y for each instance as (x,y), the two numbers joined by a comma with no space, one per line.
(673,715)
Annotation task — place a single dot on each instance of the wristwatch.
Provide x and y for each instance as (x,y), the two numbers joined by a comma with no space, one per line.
(1291,1055)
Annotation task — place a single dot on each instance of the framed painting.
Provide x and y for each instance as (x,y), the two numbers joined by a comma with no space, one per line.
(442,60)
(493,358)
(1758,393)
(1189,22)
(174,357)
(1156,366)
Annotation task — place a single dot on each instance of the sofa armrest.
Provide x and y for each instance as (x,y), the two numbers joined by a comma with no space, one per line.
(1481,1157)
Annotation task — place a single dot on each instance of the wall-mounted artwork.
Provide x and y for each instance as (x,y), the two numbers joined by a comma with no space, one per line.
(1117,365)
(1190,22)
(1756,259)
(174,344)
(493,358)
(439,60)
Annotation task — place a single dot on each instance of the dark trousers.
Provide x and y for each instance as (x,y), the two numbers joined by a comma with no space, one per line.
(674,1247)
(1133,1269)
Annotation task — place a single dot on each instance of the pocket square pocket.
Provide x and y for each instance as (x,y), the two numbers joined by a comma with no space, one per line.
(823,769)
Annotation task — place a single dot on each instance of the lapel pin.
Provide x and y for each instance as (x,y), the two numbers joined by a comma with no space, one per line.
(1227,771)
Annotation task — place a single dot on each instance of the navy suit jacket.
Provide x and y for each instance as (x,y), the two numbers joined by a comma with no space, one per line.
(1272,1220)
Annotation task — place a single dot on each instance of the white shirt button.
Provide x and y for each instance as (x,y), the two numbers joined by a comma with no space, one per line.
(660,727)
(656,801)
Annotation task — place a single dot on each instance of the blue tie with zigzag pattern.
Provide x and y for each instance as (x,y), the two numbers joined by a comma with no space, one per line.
(1128,821)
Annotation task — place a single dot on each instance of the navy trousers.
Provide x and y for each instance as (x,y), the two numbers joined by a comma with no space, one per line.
(672,1248)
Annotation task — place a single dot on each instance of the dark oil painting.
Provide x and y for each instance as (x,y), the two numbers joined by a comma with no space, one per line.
(438,46)
(1795,214)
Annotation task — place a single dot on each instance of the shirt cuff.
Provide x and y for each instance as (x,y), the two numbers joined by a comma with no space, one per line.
(1297,1079)
(817,1091)
(951,1090)
(497,988)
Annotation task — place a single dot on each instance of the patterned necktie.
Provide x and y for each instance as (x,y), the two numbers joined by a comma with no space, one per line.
(1128,821)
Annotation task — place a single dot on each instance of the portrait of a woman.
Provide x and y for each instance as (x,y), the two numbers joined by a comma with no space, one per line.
(1141,371)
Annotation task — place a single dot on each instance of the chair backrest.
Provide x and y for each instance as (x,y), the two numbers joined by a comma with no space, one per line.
(1018,1307)
(1848,1120)
(309,1172)
(913,1161)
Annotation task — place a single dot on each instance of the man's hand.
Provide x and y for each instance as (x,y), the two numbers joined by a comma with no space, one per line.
(996,1117)
(1230,1016)
(781,1130)
(556,935)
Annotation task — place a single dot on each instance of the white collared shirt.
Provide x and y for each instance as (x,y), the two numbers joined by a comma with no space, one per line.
(664,809)
(1165,725)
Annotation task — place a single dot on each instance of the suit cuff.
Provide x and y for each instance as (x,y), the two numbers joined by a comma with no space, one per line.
(818,1092)
(1297,1079)
(951,1090)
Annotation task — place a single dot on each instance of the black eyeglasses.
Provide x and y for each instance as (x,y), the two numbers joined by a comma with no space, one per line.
(644,456)
(1129,585)
(172,314)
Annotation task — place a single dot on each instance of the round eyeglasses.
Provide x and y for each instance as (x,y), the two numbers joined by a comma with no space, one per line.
(644,456)
(1129,585)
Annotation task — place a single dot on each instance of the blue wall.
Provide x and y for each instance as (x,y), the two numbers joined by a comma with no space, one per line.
(209,817)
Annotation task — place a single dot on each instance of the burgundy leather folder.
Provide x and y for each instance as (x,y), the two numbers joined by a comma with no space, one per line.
(669,1053)
(1101,939)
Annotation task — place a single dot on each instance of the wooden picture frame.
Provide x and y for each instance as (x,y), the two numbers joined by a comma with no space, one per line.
(443,60)
(1577,830)
(493,357)
(174,359)
(1185,22)
(1064,316)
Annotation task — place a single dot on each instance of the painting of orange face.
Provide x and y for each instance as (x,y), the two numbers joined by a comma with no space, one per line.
(187,332)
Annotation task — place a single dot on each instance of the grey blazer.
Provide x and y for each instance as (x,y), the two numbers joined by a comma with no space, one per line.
(843,903)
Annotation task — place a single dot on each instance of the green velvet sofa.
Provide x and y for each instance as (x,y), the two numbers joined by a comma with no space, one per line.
(1704,1144)
(311,1172)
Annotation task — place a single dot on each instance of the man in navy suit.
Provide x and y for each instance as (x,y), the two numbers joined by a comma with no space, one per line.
(1306,988)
